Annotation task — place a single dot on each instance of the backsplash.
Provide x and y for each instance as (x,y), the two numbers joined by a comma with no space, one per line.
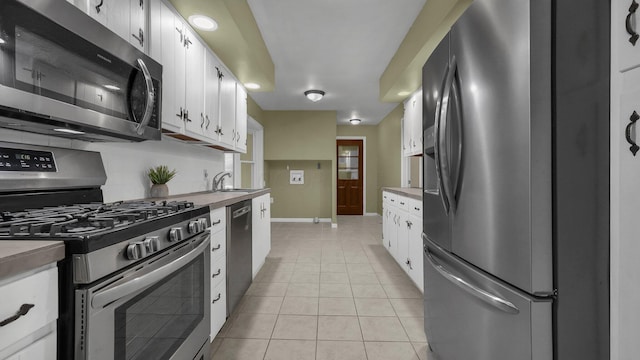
(126,163)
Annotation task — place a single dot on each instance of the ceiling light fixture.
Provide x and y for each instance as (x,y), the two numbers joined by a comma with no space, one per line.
(203,22)
(112,87)
(355,121)
(314,95)
(252,86)
(403,93)
(2,41)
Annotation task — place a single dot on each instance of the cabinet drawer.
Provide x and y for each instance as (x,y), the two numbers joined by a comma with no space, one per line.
(218,244)
(39,290)
(402,203)
(415,207)
(218,270)
(218,220)
(44,349)
(218,308)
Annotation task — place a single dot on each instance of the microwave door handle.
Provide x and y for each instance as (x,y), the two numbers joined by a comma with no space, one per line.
(134,285)
(148,111)
(493,300)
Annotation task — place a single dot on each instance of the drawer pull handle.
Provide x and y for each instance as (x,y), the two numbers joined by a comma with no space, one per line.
(216,299)
(216,274)
(216,248)
(627,133)
(24,309)
(630,28)
(217,222)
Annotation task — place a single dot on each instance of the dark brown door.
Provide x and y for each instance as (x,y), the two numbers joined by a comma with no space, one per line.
(349,177)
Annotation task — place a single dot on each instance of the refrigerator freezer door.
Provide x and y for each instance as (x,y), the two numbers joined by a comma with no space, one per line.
(469,315)
(436,223)
(502,218)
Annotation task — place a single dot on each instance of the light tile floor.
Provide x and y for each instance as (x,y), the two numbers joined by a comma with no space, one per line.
(327,294)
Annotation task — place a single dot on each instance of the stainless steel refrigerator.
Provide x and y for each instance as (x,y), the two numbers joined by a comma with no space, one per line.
(516,183)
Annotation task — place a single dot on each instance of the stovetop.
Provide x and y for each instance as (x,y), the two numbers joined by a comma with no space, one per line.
(91,226)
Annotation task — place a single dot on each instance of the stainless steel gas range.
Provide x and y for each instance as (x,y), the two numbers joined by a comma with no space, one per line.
(134,282)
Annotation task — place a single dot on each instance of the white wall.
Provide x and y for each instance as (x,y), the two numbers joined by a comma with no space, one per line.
(126,163)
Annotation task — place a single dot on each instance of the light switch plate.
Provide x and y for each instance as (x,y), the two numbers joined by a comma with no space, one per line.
(296,177)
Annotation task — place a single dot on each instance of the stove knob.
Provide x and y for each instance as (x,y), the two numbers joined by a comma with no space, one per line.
(152,244)
(175,234)
(194,227)
(136,250)
(203,224)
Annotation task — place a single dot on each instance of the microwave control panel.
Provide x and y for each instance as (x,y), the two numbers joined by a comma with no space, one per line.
(26,160)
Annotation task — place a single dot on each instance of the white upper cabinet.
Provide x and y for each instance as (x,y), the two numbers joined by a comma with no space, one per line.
(625,30)
(412,125)
(173,71)
(241,119)
(211,95)
(194,83)
(127,18)
(227,110)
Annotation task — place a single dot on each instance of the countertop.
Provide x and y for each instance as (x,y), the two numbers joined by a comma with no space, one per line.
(17,256)
(414,193)
(216,199)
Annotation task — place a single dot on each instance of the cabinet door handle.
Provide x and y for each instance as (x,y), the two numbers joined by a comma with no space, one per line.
(201,120)
(216,222)
(99,6)
(216,299)
(628,23)
(181,113)
(186,115)
(208,122)
(24,309)
(140,37)
(216,274)
(216,248)
(627,133)
(181,34)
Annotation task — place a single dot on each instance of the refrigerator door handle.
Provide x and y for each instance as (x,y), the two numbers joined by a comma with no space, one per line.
(436,144)
(490,299)
(442,136)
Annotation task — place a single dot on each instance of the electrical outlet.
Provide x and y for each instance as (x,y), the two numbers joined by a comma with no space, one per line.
(296,177)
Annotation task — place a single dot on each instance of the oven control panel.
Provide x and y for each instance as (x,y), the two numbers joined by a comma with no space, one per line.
(26,160)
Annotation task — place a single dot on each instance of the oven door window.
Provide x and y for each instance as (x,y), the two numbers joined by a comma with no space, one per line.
(153,324)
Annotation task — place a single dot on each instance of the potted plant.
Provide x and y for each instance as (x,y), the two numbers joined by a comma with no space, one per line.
(160,176)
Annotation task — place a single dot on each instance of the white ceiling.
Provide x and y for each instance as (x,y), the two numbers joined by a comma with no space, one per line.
(339,46)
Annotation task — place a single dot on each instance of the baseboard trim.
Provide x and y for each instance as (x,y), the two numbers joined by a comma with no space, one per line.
(372,214)
(299,220)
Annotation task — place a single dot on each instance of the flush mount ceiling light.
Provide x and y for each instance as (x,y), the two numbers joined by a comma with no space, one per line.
(355,121)
(403,93)
(252,86)
(112,87)
(314,95)
(203,22)
(1,41)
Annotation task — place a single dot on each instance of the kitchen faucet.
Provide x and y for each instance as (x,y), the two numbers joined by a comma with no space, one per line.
(218,180)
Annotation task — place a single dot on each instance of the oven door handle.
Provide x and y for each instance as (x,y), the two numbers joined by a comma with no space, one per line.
(134,285)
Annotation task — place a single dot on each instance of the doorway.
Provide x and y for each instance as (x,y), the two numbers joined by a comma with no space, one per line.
(350,177)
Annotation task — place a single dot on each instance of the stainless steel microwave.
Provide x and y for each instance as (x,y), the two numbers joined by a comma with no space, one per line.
(64,74)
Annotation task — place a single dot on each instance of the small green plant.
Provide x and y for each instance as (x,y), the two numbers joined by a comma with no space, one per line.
(161,174)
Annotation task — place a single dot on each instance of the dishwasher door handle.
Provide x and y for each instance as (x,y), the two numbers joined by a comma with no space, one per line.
(241,211)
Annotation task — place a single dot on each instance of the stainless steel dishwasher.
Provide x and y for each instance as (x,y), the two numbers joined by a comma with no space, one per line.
(238,252)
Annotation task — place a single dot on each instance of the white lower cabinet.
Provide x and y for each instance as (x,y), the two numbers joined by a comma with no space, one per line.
(30,335)
(261,231)
(402,233)
(218,274)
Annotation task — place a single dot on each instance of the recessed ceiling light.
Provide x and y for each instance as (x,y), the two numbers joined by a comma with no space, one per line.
(2,41)
(355,121)
(403,93)
(203,22)
(252,86)
(112,87)
(69,131)
(314,95)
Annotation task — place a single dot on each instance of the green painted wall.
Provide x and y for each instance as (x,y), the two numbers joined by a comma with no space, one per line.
(254,110)
(312,199)
(389,152)
(307,136)
(371,152)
